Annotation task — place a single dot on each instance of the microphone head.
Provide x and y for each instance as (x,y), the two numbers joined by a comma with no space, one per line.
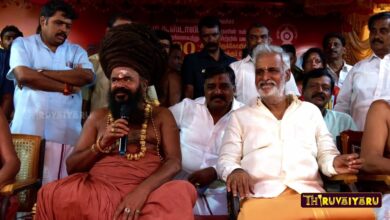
(125,111)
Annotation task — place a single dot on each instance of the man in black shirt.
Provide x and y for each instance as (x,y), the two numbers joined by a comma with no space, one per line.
(211,55)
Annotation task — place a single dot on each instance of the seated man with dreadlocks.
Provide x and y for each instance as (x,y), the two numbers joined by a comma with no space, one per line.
(104,184)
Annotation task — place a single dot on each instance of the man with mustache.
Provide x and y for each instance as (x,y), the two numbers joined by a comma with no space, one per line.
(369,79)
(272,149)
(137,184)
(244,69)
(49,72)
(333,45)
(209,29)
(202,123)
(317,87)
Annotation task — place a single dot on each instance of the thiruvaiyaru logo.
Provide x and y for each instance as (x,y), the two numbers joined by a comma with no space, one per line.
(341,200)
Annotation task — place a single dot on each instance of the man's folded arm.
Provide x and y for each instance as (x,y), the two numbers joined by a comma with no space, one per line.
(76,77)
(26,76)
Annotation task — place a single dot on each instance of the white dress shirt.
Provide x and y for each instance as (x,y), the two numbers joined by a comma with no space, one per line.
(200,138)
(368,81)
(278,153)
(245,81)
(51,115)
(343,74)
(200,141)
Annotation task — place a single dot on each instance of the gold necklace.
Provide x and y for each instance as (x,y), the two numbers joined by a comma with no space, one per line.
(142,139)
(148,112)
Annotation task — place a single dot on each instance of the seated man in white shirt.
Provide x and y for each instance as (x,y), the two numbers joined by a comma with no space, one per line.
(202,124)
(376,147)
(317,88)
(244,69)
(273,149)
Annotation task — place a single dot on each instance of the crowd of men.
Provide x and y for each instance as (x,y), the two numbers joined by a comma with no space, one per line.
(167,136)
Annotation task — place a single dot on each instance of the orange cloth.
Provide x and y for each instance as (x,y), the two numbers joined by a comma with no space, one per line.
(96,194)
(288,206)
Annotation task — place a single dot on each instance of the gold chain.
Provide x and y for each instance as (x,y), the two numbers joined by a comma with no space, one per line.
(148,112)
(157,136)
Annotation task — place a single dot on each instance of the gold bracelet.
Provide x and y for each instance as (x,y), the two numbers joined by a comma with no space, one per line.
(105,151)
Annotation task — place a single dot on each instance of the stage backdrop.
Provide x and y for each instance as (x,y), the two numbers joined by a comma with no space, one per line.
(302,31)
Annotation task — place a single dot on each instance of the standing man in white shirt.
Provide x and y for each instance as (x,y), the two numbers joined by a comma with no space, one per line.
(273,149)
(333,45)
(369,79)
(244,69)
(49,72)
(202,123)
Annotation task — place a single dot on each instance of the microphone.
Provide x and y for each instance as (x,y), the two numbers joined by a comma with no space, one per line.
(124,113)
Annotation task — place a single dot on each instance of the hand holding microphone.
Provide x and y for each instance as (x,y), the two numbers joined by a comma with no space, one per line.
(124,114)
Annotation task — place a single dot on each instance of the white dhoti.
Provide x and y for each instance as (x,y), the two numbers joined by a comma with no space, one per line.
(212,201)
(383,213)
(54,166)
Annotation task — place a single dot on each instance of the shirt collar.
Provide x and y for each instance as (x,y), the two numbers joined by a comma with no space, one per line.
(222,55)
(374,56)
(325,113)
(40,41)
(248,59)
(294,101)
(236,105)
(344,68)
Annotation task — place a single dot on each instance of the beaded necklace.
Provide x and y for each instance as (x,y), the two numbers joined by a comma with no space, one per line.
(148,113)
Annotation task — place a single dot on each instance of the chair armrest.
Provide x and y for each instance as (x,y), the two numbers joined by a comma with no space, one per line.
(346,178)
(377,178)
(233,203)
(18,186)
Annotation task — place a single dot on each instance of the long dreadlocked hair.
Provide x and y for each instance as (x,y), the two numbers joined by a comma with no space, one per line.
(135,46)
